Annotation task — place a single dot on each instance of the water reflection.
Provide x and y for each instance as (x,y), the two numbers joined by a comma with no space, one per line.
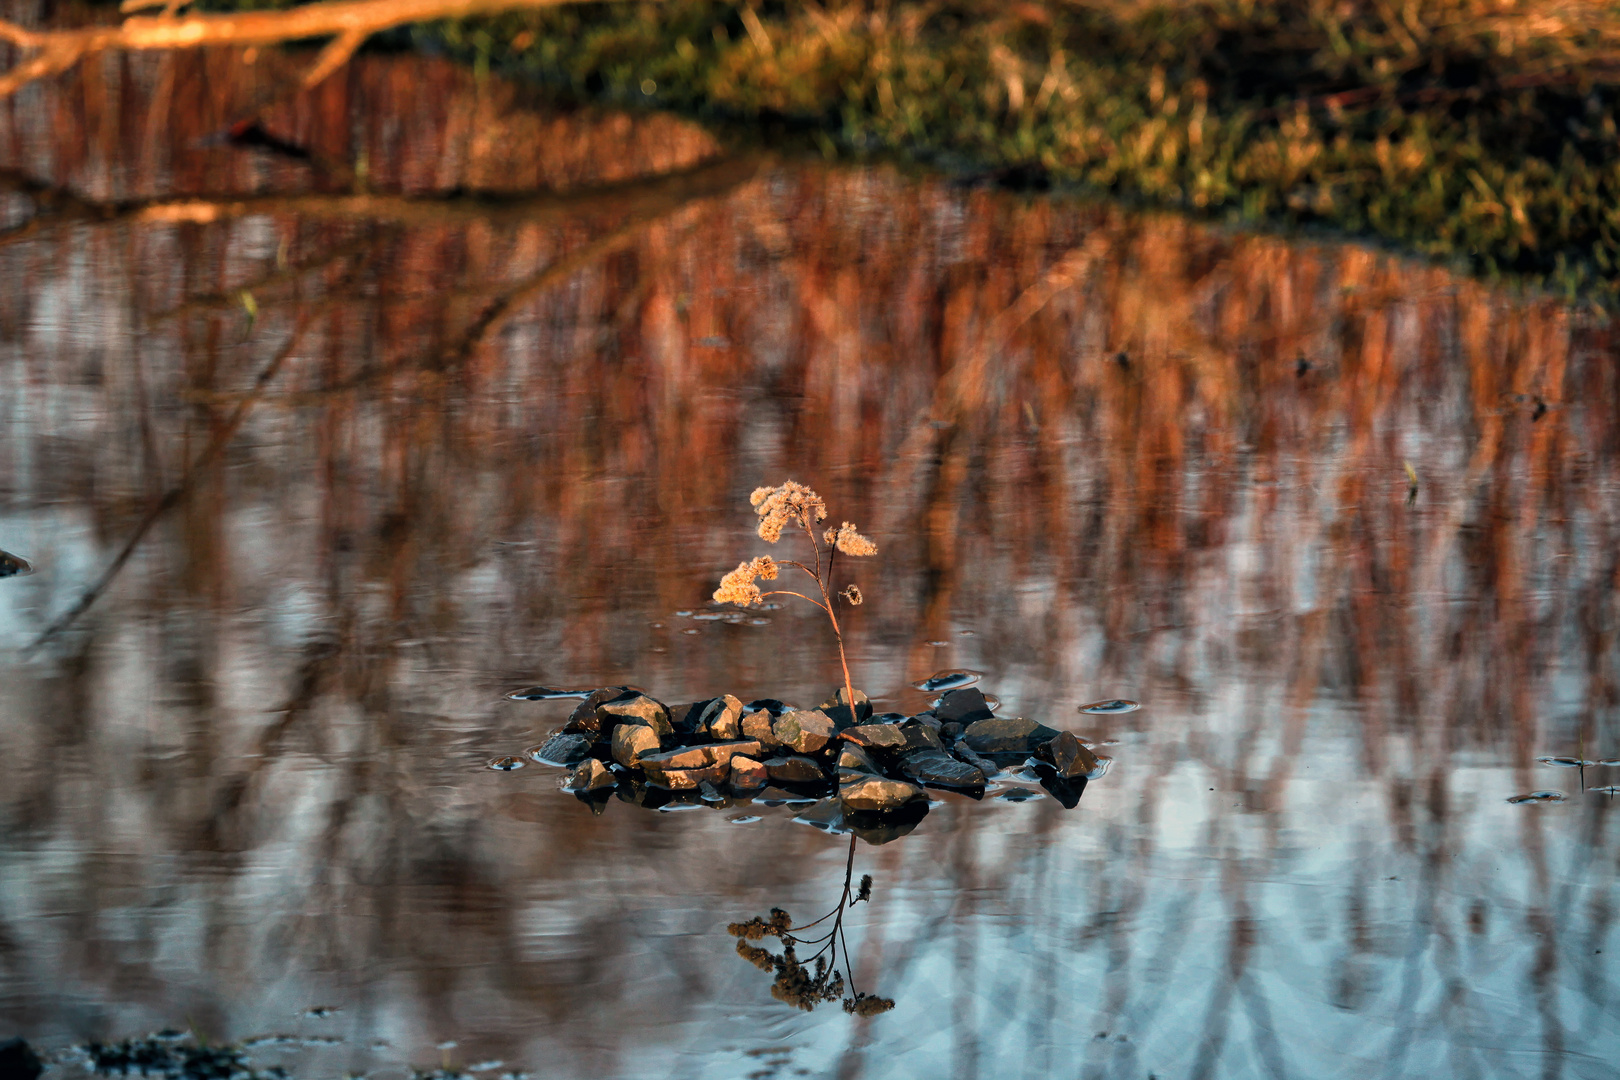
(289,562)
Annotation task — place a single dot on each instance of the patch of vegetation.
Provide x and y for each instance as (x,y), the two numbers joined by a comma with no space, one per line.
(1473,131)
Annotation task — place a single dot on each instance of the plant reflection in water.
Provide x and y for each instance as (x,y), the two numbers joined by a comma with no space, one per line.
(816,979)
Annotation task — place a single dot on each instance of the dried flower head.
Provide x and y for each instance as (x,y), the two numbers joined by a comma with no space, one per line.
(780,506)
(738,586)
(852,593)
(868,1004)
(866,888)
(850,542)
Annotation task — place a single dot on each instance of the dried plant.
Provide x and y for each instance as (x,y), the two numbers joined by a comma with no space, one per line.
(807,983)
(794,504)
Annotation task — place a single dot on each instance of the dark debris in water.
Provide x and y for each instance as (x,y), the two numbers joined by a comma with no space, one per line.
(861,773)
(1539,797)
(954,679)
(1111,707)
(13,565)
(178,1057)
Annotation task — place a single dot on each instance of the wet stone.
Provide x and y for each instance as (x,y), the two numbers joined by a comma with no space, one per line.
(937,767)
(853,758)
(546,693)
(747,773)
(876,736)
(1012,736)
(1067,756)
(775,796)
(686,757)
(583,718)
(804,732)
(1539,797)
(963,707)
(794,770)
(685,718)
(635,708)
(562,749)
(1110,707)
(506,764)
(13,565)
(774,706)
(837,708)
(877,793)
(688,779)
(948,680)
(722,718)
(631,741)
(759,726)
(920,735)
(589,775)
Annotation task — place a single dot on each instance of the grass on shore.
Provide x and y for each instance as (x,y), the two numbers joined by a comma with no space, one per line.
(1477,132)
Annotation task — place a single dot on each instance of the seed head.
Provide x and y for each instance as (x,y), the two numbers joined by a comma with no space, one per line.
(850,542)
(780,506)
(738,586)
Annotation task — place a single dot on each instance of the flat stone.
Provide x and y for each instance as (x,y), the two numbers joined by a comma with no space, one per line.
(876,736)
(685,718)
(1067,755)
(563,749)
(805,732)
(921,736)
(875,793)
(721,753)
(794,770)
(963,706)
(689,779)
(636,707)
(747,774)
(682,757)
(722,719)
(1012,736)
(938,767)
(589,775)
(758,726)
(630,741)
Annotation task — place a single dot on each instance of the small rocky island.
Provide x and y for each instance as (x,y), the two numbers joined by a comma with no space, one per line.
(868,773)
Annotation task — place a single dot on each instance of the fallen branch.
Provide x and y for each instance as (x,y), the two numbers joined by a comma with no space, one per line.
(347,22)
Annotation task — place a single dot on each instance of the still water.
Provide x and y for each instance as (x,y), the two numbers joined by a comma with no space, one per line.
(321,443)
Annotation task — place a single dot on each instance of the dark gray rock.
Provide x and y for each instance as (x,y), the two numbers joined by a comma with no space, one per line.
(921,736)
(1012,736)
(963,706)
(838,710)
(18,1061)
(876,736)
(1068,756)
(877,794)
(563,749)
(804,732)
(794,770)
(881,827)
(938,767)
(771,705)
(852,758)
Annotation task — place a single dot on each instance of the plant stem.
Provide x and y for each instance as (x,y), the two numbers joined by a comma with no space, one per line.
(843,660)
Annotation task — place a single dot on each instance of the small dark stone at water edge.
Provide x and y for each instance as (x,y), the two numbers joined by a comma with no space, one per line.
(936,767)
(562,749)
(18,1061)
(1111,707)
(963,706)
(948,680)
(546,693)
(1068,757)
(1011,736)
(13,565)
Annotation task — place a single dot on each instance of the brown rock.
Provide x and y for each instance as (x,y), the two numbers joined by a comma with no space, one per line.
(687,779)
(636,707)
(589,775)
(838,710)
(874,793)
(684,757)
(1068,755)
(1012,736)
(722,752)
(747,774)
(583,718)
(758,725)
(853,758)
(722,719)
(794,770)
(876,736)
(631,741)
(805,732)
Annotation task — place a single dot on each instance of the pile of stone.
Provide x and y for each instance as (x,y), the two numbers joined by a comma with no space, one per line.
(620,741)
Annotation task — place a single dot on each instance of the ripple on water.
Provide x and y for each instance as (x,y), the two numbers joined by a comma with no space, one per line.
(952,679)
(991,702)
(13,565)
(506,764)
(1566,762)
(1111,707)
(1607,790)
(746,819)
(1611,762)
(1539,797)
(546,693)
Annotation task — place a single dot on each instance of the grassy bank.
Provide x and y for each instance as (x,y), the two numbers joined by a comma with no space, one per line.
(1476,132)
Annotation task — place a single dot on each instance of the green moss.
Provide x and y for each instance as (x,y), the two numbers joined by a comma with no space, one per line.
(1473,132)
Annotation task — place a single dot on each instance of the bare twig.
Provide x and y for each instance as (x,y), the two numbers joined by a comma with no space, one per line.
(348,22)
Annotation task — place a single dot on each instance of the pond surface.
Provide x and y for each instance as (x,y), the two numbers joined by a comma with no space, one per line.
(315,458)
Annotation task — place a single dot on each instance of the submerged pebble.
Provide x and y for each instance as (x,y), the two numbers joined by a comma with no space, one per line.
(1608,790)
(1566,762)
(1539,797)
(13,565)
(506,764)
(546,693)
(1111,707)
(953,679)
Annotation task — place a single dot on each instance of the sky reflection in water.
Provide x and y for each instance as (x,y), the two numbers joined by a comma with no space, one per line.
(511,445)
